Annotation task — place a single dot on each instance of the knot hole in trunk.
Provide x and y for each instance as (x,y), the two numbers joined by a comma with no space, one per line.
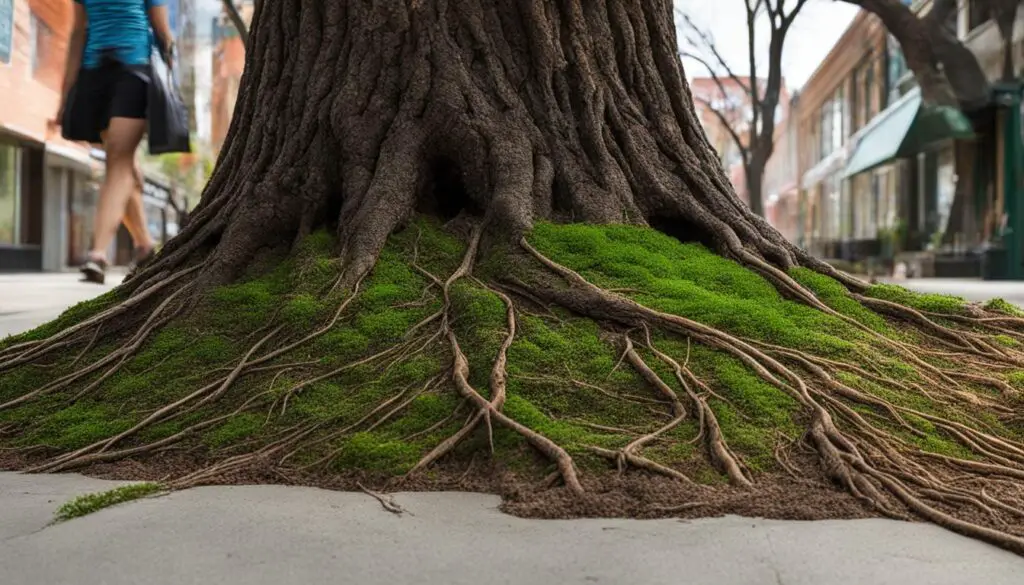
(684,230)
(444,194)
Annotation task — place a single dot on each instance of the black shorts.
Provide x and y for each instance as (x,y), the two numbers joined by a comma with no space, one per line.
(112,90)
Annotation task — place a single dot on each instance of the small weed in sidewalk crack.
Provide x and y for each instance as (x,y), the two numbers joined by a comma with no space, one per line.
(89,503)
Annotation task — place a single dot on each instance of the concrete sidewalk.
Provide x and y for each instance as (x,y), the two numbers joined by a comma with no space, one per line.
(274,535)
(29,300)
(972,290)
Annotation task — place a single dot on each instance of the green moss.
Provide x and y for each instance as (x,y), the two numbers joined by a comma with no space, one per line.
(835,295)
(1004,307)
(708,476)
(316,245)
(935,443)
(342,344)
(691,281)
(238,427)
(572,437)
(1016,378)
(1006,340)
(371,451)
(161,430)
(302,311)
(753,442)
(90,503)
(425,411)
(476,305)
(243,304)
(932,303)
(21,381)
(387,326)
(78,425)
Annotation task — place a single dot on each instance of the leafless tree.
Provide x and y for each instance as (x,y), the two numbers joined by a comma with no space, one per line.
(754,137)
(237,20)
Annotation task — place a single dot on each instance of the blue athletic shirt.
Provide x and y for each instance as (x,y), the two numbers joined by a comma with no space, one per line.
(120,26)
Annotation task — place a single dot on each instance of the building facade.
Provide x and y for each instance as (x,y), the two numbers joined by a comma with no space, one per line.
(48,186)
(725,109)
(846,91)
(781,185)
(886,177)
(228,63)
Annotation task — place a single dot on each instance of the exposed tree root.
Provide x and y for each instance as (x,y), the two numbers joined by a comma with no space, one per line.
(862,432)
(387,502)
(117,357)
(861,461)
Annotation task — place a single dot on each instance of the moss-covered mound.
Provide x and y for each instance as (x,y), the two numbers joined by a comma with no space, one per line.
(591,370)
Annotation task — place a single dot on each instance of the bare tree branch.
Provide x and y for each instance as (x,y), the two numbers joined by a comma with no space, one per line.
(707,42)
(947,72)
(237,20)
(728,124)
(753,6)
(762,93)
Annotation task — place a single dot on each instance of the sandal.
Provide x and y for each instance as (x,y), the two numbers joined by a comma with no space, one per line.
(94,269)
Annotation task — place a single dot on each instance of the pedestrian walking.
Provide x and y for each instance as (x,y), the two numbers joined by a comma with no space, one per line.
(104,101)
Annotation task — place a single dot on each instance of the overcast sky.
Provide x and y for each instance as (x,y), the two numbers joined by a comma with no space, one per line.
(815,30)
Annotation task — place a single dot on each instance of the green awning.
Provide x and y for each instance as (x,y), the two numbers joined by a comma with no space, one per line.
(906,129)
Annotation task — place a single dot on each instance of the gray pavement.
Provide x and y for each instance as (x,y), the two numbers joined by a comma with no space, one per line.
(275,535)
(972,290)
(281,536)
(29,300)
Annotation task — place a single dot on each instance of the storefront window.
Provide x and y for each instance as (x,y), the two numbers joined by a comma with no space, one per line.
(8,194)
(155,221)
(82,206)
(946,188)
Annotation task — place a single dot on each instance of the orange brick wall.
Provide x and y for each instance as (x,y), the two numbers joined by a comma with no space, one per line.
(228,63)
(27,100)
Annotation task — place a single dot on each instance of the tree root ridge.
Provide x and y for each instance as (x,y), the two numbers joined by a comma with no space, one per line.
(850,438)
(869,461)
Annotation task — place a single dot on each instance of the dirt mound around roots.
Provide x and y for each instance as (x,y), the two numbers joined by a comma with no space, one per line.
(635,494)
(608,495)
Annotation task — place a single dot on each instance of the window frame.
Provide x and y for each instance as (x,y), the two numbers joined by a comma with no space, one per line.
(15,149)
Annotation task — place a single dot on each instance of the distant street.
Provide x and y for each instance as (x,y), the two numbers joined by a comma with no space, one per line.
(972,290)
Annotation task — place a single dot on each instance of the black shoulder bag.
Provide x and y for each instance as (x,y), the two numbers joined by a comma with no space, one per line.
(166,115)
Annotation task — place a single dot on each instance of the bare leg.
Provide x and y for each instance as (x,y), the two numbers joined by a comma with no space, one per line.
(135,217)
(122,138)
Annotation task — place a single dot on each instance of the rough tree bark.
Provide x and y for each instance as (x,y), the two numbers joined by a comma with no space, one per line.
(553,109)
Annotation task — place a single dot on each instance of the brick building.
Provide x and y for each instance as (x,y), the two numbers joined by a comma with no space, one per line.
(886,176)
(228,63)
(724,107)
(48,186)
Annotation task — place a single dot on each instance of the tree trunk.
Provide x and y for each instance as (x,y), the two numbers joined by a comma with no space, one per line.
(355,114)
(754,176)
(947,72)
